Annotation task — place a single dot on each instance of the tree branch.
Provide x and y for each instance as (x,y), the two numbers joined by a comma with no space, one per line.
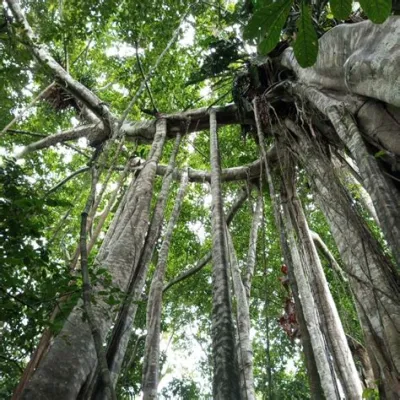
(62,77)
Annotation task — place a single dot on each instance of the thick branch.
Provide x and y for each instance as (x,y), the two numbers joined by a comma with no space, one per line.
(143,131)
(62,77)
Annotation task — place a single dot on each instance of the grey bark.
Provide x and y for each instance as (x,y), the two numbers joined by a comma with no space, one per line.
(311,317)
(382,191)
(151,363)
(373,280)
(315,379)
(350,178)
(87,294)
(72,357)
(122,329)
(360,353)
(226,378)
(331,325)
(361,58)
(252,251)
(143,132)
(328,254)
(244,348)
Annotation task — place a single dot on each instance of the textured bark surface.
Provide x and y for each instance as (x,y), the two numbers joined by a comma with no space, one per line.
(244,347)
(312,366)
(122,330)
(72,357)
(320,244)
(331,325)
(251,254)
(362,58)
(151,363)
(142,131)
(314,379)
(226,377)
(383,192)
(311,317)
(374,281)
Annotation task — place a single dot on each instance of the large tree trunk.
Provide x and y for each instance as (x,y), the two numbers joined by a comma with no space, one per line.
(71,358)
(226,377)
(122,328)
(151,363)
(373,279)
(383,192)
(349,60)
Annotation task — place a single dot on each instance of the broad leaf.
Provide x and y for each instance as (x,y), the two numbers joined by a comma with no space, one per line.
(377,10)
(267,24)
(306,44)
(341,8)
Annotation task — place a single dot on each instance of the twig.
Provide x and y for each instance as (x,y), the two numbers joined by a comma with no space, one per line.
(153,69)
(19,116)
(65,180)
(144,77)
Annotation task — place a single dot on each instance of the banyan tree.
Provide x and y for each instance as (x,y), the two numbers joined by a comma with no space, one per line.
(135,212)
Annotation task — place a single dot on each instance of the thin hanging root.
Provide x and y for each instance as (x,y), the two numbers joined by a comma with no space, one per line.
(154,305)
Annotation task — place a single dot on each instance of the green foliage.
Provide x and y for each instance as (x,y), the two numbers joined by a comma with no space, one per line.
(306,44)
(377,10)
(271,19)
(341,8)
(181,389)
(267,22)
(31,281)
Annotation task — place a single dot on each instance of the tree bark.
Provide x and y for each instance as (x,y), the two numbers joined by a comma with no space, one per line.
(350,61)
(122,329)
(244,348)
(226,378)
(311,317)
(72,358)
(373,279)
(315,380)
(251,254)
(331,325)
(383,192)
(151,363)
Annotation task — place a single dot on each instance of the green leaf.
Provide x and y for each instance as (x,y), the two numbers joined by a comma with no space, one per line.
(341,8)
(377,10)
(268,21)
(306,45)
(380,153)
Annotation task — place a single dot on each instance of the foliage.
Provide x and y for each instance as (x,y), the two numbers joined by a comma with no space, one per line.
(31,280)
(39,233)
(272,18)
